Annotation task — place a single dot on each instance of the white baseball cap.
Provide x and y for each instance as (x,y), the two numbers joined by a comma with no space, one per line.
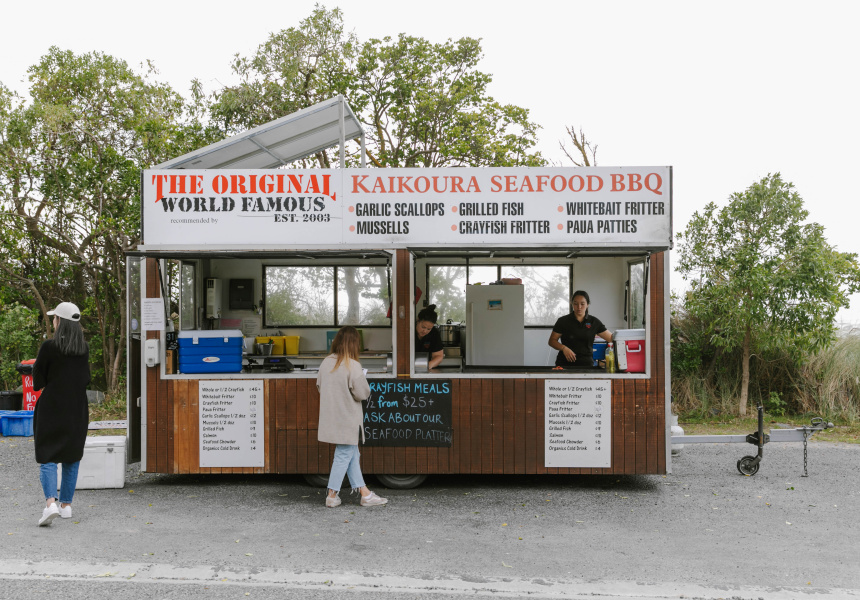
(66,310)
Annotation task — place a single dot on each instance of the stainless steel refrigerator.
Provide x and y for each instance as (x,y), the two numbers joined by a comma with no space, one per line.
(495,325)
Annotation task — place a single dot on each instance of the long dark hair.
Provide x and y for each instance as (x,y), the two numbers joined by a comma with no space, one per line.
(69,338)
(346,344)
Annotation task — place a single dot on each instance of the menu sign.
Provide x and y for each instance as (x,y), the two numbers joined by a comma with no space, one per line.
(231,424)
(614,207)
(577,422)
(412,412)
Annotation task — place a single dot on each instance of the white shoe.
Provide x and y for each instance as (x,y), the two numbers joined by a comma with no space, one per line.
(332,501)
(66,512)
(373,500)
(49,514)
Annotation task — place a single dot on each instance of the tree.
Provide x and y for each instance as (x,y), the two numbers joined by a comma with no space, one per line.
(423,104)
(19,340)
(70,161)
(761,277)
(427,106)
(585,154)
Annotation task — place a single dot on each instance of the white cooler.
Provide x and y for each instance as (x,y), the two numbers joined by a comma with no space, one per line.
(630,350)
(103,464)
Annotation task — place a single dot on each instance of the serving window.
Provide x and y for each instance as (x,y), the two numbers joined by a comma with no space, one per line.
(294,301)
(616,285)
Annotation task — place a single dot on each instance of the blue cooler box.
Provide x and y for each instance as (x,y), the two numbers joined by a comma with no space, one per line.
(210,351)
(599,350)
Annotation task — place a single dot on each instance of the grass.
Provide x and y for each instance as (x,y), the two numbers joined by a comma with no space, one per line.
(112,409)
(722,425)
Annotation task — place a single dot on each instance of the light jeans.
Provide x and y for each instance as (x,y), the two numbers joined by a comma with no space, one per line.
(346,462)
(48,477)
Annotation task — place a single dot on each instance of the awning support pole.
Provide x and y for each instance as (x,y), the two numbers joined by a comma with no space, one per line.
(342,133)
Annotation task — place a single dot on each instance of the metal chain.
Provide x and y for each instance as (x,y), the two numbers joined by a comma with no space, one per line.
(805,436)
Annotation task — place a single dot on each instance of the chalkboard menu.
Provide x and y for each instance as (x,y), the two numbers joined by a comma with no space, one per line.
(578,423)
(412,412)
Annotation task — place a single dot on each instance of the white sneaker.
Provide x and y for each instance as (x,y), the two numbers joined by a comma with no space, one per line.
(331,502)
(373,500)
(66,512)
(49,514)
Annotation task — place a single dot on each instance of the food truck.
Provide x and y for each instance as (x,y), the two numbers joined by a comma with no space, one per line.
(247,268)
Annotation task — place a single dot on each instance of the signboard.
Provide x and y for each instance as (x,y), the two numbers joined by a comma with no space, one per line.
(231,423)
(152,313)
(518,206)
(414,412)
(577,421)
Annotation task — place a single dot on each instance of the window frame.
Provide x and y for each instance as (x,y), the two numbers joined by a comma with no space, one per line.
(335,267)
(499,266)
(628,301)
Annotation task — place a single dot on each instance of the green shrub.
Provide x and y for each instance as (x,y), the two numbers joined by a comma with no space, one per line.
(19,340)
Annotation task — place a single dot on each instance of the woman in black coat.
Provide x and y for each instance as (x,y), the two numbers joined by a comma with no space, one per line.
(61,417)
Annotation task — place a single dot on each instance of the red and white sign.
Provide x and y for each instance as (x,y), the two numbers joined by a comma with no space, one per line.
(598,207)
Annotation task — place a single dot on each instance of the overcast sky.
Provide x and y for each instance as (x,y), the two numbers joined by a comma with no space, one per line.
(724,92)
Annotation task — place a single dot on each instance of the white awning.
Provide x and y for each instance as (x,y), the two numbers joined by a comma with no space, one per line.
(280,142)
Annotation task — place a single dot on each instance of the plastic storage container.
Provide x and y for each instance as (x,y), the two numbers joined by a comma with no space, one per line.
(210,351)
(19,422)
(598,352)
(11,400)
(103,464)
(291,344)
(278,345)
(630,350)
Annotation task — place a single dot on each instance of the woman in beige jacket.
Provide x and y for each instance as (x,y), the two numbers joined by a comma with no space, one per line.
(342,386)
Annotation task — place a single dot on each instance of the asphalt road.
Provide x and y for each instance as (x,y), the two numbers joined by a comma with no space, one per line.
(704,531)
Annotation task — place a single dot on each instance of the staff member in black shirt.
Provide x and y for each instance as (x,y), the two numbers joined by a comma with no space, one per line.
(427,338)
(573,334)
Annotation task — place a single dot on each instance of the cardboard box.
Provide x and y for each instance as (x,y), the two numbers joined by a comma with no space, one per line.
(103,464)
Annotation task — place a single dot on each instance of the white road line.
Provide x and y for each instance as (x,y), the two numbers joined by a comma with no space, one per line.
(217,575)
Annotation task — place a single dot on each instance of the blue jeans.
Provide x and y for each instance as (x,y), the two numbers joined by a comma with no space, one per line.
(48,477)
(345,463)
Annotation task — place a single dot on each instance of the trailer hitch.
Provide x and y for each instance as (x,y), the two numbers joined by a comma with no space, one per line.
(748,465)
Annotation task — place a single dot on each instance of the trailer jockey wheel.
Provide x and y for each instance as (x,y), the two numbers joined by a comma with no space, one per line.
(748,465)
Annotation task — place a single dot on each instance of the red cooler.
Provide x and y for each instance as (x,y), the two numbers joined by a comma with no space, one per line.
(630,350)
(25,368)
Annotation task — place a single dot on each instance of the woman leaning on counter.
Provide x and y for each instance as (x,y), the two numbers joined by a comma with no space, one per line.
(573,334)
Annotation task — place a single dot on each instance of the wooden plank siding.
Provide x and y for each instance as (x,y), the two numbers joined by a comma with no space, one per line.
(498,424)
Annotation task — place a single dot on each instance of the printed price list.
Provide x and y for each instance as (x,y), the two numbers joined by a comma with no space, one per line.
(577,423)
(231,424)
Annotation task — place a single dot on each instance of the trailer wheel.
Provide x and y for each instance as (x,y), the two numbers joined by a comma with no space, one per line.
(316,480)
(748,466)
(401,482)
